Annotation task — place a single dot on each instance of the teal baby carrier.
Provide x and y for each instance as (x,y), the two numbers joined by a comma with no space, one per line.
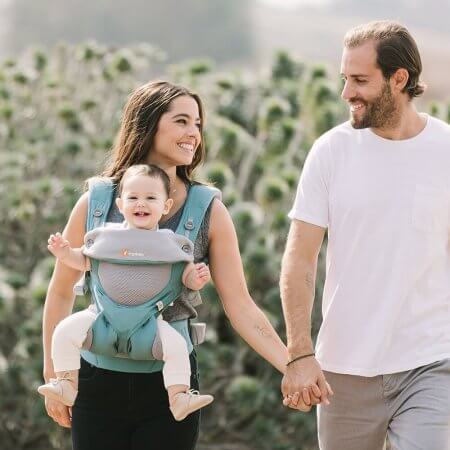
(135,275)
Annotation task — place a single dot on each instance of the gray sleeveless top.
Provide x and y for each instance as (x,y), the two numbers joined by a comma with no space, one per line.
(183,307)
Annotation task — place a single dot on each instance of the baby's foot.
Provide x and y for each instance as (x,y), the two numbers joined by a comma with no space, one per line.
(187,402)
(62,389)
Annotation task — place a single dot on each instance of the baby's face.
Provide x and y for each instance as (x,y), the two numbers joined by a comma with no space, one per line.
(143,201)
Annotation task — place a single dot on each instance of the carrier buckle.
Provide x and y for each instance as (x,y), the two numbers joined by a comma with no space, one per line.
(160,305)
(189,225)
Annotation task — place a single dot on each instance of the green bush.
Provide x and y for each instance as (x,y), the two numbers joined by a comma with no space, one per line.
(59,121)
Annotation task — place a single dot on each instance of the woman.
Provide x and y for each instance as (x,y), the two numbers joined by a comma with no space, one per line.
(162,125)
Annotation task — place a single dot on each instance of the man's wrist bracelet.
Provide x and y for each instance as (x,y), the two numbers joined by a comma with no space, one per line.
(300,357)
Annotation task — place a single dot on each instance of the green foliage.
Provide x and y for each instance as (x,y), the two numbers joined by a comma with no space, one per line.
(434,109)
(200,67)
(58,122)
(40,60)
(219,174)
(319,72)
(246,395)
(285,66)
(122,64)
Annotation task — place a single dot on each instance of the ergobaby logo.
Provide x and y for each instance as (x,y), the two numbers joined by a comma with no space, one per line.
(126,252)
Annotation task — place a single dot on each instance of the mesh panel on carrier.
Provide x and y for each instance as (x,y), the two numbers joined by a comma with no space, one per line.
(133,284)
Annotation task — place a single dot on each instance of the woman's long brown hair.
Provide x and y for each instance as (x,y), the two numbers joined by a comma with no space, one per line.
(139,124)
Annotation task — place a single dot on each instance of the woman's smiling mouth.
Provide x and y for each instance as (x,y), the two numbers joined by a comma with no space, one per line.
(187,147)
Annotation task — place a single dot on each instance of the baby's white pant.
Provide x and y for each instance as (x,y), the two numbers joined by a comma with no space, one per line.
(177,369)
(71,332)
(68,339)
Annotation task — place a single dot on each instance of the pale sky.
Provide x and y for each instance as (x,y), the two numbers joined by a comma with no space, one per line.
(294,3)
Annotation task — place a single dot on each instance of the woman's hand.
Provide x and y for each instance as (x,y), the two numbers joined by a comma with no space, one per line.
(305,376)
(59,412)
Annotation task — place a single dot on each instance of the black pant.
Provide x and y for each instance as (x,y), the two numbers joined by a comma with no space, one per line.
(129,411)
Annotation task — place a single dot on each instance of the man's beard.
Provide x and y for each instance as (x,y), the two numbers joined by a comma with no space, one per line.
(380,113)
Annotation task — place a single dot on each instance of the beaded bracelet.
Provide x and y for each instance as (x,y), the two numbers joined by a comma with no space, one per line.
(300,357)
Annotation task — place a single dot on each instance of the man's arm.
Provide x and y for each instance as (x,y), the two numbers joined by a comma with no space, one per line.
(297,286)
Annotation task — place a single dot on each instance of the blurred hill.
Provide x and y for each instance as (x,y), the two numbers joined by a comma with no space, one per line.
(316,32)
(243,33)
(187,29)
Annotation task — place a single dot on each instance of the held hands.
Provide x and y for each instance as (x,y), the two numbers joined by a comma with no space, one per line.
(196,276)
(304,385)
(58,246)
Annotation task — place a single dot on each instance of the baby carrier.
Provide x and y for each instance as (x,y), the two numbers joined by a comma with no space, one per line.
(135,274)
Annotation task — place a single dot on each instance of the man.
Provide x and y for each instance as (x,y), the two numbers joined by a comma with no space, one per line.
(380,184)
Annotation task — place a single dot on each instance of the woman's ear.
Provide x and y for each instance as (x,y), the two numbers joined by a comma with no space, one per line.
(119,203)
(167,205)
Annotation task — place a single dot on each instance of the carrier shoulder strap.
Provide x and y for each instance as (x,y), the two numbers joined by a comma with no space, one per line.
(197,203)
(101,190)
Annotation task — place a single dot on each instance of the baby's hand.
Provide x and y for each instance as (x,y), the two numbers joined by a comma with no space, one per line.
(58,245)
(198,276)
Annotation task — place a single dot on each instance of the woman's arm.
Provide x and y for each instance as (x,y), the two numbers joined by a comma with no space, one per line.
(60,299)
(228,276)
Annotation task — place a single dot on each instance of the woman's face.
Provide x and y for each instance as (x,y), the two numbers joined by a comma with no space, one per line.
(178,134)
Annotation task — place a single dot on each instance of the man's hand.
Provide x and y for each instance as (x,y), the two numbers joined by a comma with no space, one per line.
(304,385)
(58,246)
(59,412)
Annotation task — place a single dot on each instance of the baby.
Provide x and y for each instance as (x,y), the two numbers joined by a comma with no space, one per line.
(143,199)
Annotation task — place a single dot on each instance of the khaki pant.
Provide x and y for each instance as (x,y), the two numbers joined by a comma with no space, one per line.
(411,408)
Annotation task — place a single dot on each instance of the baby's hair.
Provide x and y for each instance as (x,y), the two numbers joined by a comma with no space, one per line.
(146,169)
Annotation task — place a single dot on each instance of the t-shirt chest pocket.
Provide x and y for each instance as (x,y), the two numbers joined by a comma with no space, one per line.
(430,210)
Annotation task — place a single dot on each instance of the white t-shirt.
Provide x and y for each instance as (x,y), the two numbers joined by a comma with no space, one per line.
(386,204)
